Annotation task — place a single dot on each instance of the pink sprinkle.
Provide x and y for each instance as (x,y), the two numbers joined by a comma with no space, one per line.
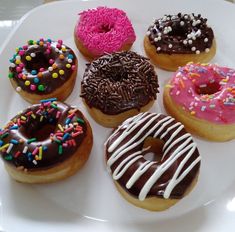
(58,46)
(33,87)
(71,115)
(73,67)
(76,134)
(21,52)
(21,65)
(25,47)
(48,51)
(35,151)
(41,39)
(18,122)
(65,145)
(104,30)
(59,134)
(58,114)
(17,154)
(59,137)
(41,70)
(69,129)
(18,69)
(60,41)
(51,61)
(73,142)
(20,75)
(51,110)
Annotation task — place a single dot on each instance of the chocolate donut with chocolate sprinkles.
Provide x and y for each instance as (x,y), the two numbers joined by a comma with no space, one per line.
(175,40)
(117,86)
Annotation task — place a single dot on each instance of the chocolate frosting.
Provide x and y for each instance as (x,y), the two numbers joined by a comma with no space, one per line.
(43,135)
(42,66)
(118,82)
(181,34)
(125,157)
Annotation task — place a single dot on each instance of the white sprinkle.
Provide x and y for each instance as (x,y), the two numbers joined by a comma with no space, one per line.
(25,149)
(57,49)
(206,40)
(70,60)
(35,46)
(189,36)
(177,93)
(158,48)
(168,18)
(155,39)
(194,23)
(159,33)
(32,54)
(190,41)
(185,42)
(170,45)
(9,148)
(148,33)
(197,52)
(35,162)
(18,57)
(194,37)
(207,50)
(18,89)
(169,29)
(193,49)
(50,69)
(198,21)
(12,65)
(186,16)
(181,23)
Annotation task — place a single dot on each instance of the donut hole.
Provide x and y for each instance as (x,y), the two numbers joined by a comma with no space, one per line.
(155,151)
(178,30)
(207,88)
(37,62)
(105,28)
(118,73)
(41,131)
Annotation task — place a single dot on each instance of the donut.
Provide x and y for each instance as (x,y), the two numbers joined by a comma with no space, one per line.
(103,30)
(175,40)
(45,143)
(43,69)
(117,86)
(202,97)
(152,184)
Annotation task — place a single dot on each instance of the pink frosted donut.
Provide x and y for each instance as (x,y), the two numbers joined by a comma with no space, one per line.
(103,30)
(203,96)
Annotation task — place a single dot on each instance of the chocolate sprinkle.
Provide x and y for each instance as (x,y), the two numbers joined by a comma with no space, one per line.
(118,82)
(182,33)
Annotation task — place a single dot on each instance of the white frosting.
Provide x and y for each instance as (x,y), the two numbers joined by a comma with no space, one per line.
(142,123)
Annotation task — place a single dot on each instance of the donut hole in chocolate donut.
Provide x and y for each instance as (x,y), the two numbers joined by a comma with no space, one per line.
(155,151)
(40,131)
(207,88)
(39,61)
(178,30)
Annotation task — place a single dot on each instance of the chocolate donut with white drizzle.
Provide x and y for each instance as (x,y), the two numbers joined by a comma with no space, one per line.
(171,177)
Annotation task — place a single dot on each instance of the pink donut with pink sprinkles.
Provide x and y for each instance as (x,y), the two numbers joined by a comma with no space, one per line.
(103,30)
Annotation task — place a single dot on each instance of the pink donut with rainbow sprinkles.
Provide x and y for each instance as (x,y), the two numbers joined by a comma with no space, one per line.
(103,30)
(202,97)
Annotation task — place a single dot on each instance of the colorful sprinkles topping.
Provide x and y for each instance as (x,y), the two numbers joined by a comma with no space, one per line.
(64,137)
(25,65)
(206,91)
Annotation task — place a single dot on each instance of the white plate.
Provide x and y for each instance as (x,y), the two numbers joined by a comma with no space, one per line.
(89,201)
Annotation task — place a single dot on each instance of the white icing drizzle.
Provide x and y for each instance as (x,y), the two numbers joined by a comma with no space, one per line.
(143,123)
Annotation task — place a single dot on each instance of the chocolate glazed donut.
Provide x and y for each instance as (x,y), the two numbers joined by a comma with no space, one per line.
(43,69)
(117,86)
(151,184)
(44,140)
(175,40)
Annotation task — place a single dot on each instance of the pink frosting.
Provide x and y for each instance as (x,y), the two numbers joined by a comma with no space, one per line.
(206,91)
(104,30)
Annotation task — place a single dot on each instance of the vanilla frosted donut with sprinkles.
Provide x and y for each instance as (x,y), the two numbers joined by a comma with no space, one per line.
(202,97)
(43,69)
(103,30)
(152,184)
